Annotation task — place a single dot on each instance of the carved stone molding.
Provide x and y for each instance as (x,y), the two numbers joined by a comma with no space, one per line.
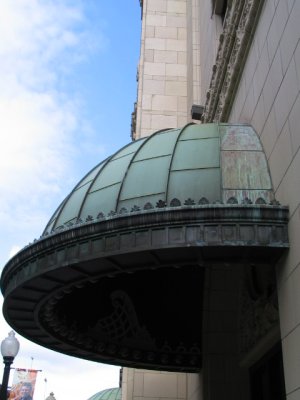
(141,4)
(133,121)
(239,27)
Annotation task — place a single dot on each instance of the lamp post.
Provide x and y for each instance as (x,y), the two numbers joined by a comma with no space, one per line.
(9,350)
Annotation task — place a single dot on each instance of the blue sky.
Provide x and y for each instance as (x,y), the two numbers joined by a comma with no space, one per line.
(67,89)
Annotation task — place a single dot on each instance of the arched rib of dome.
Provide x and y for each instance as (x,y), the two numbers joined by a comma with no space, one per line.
(103,192)
(77,205)
(195,169)
(153,159)
(74,197)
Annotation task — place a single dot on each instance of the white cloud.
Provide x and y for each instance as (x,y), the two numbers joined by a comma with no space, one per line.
(14,250)
(41,41)
(37,34)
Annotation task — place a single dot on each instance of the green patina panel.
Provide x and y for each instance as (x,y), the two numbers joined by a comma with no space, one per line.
(103,200)
(200,132)
(194,154)
(160,145)
(112,173)
(107,394)
(146,177)
(71,210)
(195,184)
(129,149)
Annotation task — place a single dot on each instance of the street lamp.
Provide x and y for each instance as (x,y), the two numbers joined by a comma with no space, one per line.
(9,350)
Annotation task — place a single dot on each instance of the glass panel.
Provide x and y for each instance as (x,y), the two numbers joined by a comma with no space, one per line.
(72,206)
(146,177)
(195,185)
(193,154)
(159,145)
(103,200)
(200,132)
(112,173)
(129,149)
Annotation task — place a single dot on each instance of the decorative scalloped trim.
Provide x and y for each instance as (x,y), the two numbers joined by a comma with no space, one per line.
(161,204)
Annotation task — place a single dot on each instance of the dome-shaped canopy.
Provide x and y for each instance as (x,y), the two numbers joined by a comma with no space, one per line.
(118,275)
(108,394)
(215,162)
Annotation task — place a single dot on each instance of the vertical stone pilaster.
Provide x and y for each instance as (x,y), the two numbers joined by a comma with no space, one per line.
(193,55)
(162,70)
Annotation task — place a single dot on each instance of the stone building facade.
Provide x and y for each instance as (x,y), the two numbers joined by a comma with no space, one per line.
(234,61)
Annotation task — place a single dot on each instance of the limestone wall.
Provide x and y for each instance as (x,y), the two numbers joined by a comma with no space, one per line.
(162,70)
(268,98)
(180,42)
(139,384)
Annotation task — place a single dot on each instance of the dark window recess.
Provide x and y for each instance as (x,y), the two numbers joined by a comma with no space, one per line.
(220,8)
(267,377)
(197,111)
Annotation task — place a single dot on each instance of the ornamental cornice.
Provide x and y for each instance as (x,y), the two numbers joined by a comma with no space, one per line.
(219,225)
(234,44)
(54,288)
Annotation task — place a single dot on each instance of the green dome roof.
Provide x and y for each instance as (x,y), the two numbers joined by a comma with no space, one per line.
(107,394)
(208,162)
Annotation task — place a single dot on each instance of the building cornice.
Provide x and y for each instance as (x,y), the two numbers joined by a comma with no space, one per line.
(235,41)
(74,291)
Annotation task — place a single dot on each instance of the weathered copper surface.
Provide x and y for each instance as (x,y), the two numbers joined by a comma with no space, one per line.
(128,290)
(118,274)
(212,161)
